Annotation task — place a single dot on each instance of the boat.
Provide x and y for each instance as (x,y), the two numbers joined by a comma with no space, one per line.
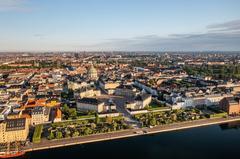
(12,154)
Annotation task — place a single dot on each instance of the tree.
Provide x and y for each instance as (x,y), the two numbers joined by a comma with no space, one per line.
(153,121)
(59,135)
(65,108)
(114,125)
(87,131)
(69,112)
(51,136)
(73,112)
(84,122)
(75,133)
(67,133)
(222,72)
(96,118)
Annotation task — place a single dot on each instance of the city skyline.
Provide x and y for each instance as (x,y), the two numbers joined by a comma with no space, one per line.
(30,25)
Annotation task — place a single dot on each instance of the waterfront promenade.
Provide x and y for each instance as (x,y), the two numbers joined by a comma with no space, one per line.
(45,144)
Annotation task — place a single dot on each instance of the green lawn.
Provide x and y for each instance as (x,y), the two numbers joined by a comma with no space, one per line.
(85,116)
(156,106)
(37,134)
(218,115)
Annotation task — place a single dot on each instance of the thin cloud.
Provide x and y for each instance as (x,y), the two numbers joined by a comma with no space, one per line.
(227,26)
(13,5)
(40,36)
(223,37)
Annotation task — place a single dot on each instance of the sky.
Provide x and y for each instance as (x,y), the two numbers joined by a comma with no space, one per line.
(119,25)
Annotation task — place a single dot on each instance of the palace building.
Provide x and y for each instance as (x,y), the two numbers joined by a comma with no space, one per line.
(12,130)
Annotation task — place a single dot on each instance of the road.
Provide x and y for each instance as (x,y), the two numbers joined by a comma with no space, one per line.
(45,144)
(120,104)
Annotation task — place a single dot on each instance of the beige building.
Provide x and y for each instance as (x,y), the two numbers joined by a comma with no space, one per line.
(143,100)
(90,104)
(126,91)
(131,105)
(89,93)
(140,102)
(108,86)
(12,130)
(40,115)
(77,85)
(236,89)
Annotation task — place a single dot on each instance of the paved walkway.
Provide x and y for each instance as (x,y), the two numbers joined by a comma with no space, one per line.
(128,133)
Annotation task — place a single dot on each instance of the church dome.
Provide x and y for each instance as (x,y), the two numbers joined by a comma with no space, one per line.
(92,73)
(92,70)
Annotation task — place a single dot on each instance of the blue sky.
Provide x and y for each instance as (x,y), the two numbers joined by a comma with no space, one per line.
(134,25)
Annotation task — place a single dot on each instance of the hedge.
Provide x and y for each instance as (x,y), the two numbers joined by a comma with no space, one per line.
(37,134)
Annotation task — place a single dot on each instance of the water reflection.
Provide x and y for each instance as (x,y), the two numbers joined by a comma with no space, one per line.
(232,125)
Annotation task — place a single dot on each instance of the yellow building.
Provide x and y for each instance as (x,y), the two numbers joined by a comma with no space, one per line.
(12,130)
(40,115)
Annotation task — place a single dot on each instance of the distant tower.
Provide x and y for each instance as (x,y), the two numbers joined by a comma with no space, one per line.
(59,63)
(36,63)
(76,55)
(92,73)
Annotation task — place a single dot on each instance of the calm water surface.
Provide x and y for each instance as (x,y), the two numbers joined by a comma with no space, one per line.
(214,142)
